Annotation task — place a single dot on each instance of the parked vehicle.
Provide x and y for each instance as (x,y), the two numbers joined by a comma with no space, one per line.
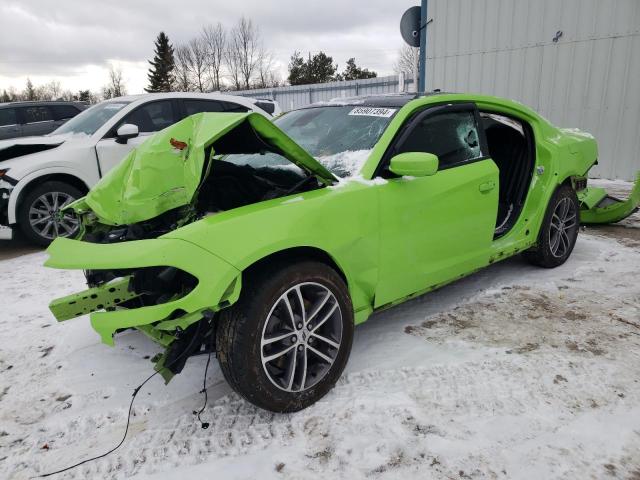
(267,242)
(41,175)
(23,119)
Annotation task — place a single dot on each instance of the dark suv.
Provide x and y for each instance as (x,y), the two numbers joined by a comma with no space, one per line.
(23,119)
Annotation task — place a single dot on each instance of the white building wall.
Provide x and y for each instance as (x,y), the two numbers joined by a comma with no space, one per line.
(589,78)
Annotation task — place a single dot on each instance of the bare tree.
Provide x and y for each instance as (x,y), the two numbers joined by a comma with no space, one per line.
(52,90)
(115,86)
(408,58)
(244,51)
(182,68)
(215,43)
(182,79)
(232,62)
(198,66)
(266,76)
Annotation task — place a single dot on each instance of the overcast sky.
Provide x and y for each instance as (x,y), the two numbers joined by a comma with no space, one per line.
(73,41)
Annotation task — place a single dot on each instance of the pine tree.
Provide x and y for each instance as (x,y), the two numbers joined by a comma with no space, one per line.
(317,69)
(161,71)
(353,72)
(29,91)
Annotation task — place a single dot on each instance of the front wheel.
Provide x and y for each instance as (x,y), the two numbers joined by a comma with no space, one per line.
(559,230)
(286,341)
(40,214)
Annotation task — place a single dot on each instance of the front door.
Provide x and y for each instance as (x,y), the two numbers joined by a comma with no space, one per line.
(437,228)
(149,118)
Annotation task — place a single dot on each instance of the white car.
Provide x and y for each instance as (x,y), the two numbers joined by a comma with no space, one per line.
(40,175)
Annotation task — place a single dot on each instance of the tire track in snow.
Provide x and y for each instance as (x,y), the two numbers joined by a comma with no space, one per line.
(422,400)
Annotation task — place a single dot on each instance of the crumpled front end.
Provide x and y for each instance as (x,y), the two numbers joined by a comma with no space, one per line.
(598,207)
(162,287)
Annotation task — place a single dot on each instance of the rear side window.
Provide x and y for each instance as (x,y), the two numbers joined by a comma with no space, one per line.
(198,106)
(234,107)
(7,117)
(268,107)
(452,136)
(64,112)
(152,117)
(36,114)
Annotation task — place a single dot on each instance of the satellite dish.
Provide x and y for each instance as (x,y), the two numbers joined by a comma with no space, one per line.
(410,26)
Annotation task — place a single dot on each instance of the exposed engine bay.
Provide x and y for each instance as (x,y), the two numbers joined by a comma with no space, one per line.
(239,169)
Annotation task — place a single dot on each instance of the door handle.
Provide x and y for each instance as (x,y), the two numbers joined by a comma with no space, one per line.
(487,186)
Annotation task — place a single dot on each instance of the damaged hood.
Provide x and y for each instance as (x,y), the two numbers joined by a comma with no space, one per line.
(21,146)
(165,171)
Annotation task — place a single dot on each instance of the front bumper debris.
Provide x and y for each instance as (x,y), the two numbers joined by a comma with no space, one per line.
(596,206)
(218,285)
(106,296)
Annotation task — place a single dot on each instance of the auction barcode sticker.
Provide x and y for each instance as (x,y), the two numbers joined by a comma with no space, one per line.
(373,111)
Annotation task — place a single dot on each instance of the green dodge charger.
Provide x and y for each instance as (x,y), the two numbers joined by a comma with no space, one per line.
(267,242)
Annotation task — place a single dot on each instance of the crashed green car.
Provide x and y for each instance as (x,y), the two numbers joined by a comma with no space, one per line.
(268,242)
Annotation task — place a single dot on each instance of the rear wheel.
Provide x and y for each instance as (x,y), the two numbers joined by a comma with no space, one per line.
(40,215)
(286,341)
(559,230)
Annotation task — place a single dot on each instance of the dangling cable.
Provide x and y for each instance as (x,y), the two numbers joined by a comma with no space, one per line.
(135,393)
(204,425)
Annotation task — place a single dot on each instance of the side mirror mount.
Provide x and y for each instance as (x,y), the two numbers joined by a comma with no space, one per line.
(125,132)
(414,164)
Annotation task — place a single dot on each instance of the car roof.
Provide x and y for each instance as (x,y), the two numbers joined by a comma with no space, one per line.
(160,95)
(26,103)
(391,100)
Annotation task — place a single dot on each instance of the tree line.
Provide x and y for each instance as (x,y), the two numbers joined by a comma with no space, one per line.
(49,91)
(217,58)
(236,59)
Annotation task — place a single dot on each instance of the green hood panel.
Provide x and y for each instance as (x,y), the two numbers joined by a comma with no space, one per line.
(157,177)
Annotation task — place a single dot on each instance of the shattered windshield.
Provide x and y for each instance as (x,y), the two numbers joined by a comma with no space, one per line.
(339,137)
(89,121)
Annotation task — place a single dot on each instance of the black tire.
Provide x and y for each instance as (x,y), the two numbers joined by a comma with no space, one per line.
(240,331)
(547,253)
(23,217)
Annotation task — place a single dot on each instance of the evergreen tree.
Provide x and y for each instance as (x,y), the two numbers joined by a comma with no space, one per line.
(297,70)
(317,69)
(84,95)
(353,72)
(29,91)
(5,97)
(161,71)
(321,68)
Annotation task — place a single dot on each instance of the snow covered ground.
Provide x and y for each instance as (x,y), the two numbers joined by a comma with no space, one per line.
(515,372)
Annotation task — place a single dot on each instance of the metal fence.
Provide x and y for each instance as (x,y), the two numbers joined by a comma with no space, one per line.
(297,96)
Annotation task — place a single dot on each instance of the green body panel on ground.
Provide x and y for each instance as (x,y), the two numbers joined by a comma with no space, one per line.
(612,210)
(391,238)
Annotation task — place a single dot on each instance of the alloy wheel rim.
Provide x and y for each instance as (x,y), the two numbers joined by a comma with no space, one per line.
(563,221)
(47,218)
(301,337)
